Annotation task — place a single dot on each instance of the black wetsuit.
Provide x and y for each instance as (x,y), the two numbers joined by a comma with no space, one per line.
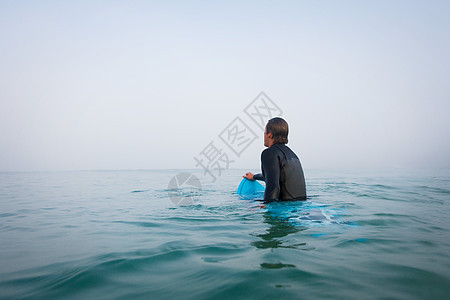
(283,174)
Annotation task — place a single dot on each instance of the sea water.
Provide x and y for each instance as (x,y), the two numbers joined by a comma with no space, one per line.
(118,235)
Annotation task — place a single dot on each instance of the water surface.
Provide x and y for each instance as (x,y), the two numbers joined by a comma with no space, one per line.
(117,235)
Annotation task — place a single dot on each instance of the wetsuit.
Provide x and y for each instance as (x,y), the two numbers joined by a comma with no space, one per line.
(283,174)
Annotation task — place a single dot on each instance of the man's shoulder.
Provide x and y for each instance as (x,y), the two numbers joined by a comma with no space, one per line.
(278,149)
(270,151)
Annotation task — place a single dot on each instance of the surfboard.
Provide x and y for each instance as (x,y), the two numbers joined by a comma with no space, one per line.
(310,214)
(250,189)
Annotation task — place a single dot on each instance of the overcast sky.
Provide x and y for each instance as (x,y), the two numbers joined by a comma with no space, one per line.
(149,84)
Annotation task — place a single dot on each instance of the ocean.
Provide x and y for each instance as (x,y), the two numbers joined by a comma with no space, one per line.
(362,234)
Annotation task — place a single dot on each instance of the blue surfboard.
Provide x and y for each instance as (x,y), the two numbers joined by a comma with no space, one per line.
(250,189)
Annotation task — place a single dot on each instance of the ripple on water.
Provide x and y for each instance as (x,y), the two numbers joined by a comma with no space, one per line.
(125,246)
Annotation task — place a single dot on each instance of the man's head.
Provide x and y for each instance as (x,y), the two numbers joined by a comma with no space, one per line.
(276,132)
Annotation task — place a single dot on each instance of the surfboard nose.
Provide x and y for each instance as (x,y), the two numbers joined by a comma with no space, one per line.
(250,189)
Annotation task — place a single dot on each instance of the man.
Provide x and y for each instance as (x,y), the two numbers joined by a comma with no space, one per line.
(281,168)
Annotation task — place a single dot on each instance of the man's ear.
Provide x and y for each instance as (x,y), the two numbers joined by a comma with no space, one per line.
(270,135)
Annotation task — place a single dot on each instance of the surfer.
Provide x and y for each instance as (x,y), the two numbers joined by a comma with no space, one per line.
(281,168)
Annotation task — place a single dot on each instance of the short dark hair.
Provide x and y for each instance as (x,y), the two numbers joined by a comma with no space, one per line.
(279,129)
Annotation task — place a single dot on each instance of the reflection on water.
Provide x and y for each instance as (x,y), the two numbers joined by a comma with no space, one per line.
(281,233)
(293,218)
(276,266)
(279,227)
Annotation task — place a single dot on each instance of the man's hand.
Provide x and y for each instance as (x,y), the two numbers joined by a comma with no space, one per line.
(249,176)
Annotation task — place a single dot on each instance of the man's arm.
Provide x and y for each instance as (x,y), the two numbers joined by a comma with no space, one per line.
(258,176)
(251,176)
(271,170)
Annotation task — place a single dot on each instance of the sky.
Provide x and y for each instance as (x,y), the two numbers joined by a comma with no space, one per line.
(88,85)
